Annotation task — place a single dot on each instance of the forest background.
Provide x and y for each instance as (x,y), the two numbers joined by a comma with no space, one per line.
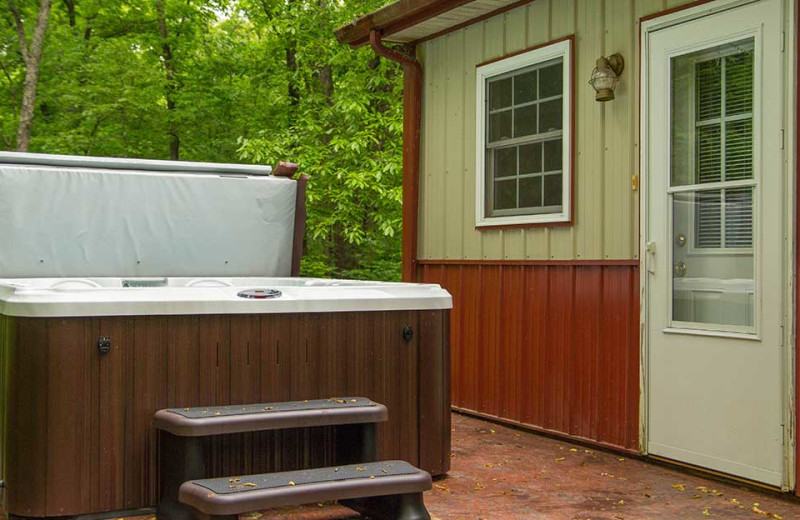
(250,81)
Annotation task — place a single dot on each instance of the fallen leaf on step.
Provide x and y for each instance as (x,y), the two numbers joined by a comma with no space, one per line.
(679,487)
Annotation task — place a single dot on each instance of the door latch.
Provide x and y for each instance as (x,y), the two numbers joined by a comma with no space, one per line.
(650,251)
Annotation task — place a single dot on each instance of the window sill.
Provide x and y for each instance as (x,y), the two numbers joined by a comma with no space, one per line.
(490,224)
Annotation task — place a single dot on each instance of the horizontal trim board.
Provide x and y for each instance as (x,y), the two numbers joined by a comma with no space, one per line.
(550,433)
(633,262)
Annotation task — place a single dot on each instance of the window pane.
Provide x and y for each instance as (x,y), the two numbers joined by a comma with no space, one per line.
(709,152)
(500,126)
(550,116)
(552,155)
(551,80)
(708,219)
(500,94)
(525,121)
(716,289)
(530,158)
(739,150)
(525,88)
(505,162)
(739,217)
(708,81)
(739,83)
(505,194)
(552,190)
(530,192)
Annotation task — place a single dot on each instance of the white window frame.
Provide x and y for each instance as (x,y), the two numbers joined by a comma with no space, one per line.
(554,50)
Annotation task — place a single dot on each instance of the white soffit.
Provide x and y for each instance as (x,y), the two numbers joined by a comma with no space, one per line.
(447,20)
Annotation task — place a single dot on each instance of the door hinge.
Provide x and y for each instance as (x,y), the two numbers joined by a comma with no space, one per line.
(783,332)
(635,182)
(782,137)
(783,41)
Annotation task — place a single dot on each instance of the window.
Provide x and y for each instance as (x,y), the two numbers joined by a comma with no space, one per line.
(524,138)
(721,136)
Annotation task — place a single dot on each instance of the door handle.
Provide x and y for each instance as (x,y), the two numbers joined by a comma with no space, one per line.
(650,260)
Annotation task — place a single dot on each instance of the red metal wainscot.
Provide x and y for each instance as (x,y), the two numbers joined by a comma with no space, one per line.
(550,346)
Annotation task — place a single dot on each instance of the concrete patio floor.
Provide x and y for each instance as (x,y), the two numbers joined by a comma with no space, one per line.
(502,473)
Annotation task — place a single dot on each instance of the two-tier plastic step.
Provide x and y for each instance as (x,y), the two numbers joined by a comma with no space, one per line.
(394,493)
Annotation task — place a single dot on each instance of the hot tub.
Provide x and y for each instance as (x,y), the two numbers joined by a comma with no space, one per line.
(88,358)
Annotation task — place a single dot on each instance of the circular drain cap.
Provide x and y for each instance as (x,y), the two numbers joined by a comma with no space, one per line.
(259,294)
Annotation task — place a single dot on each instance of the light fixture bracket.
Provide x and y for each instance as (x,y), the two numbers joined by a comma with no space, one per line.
(616,63)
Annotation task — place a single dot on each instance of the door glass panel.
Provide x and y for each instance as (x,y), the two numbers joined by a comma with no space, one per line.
(712,228)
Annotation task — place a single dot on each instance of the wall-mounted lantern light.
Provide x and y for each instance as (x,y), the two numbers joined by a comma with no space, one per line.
(605,76)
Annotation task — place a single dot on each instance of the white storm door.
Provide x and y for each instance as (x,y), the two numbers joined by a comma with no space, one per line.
(714,242)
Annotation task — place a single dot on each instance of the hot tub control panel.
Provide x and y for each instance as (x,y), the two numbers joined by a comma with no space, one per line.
(259,294)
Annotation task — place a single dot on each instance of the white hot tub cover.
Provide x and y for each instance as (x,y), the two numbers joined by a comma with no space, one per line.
(64,216)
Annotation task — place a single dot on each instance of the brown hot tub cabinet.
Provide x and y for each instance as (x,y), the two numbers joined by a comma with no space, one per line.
(77,423)
(136,286)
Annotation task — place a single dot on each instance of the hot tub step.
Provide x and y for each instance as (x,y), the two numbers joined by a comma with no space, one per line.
(218,420)
(390,490)
(182,431)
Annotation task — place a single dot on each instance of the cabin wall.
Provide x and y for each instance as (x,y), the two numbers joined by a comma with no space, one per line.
(545,325)
(606,134)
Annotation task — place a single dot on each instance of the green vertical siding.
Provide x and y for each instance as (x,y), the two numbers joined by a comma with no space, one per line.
(606,135)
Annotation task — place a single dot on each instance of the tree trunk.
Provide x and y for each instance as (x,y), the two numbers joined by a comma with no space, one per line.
(291,64)
(32,57)
(70,5)
(169,69)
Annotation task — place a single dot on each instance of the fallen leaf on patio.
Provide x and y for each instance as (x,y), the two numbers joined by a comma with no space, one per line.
(488,465)
(695,496)
(234,479)
(776,516)
(621,502)
(252,516)
(559,459)
(441,487)
(679,487)
(705,512)
(361,469)
(734,501)
(648,495)
(291,483)
(250,484)
(588,451)
(573,450)
(702,488)
(622,460)
(493,432)
(479,485)
(716,493)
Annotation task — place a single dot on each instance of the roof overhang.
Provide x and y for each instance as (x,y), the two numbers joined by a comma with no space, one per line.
(412,21)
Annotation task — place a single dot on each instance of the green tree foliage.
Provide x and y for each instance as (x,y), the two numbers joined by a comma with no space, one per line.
(254,81)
